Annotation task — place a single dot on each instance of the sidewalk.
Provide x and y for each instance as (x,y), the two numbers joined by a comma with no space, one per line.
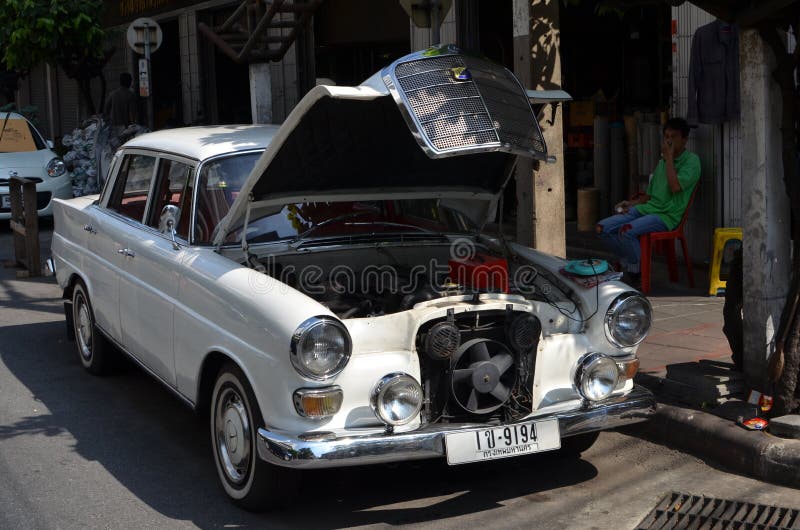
(700,414)
(688,329)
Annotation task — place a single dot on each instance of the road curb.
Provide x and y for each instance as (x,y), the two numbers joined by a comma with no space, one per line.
(721,441)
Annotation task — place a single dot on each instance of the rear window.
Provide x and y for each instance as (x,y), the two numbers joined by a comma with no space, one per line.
(18,136)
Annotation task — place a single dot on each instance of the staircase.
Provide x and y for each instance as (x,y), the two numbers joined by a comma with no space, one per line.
(246,37)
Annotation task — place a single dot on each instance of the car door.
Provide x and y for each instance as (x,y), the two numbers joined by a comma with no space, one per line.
(150,286)
(106,237)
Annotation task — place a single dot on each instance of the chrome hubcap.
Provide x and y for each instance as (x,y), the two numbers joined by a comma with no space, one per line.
(233,435)
(83,326)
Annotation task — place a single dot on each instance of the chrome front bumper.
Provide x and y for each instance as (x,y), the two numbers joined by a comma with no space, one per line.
(428,441)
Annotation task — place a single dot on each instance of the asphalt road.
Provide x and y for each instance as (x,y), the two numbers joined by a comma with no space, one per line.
(77,451)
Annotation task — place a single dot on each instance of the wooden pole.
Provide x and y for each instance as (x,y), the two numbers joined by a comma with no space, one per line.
(25,225)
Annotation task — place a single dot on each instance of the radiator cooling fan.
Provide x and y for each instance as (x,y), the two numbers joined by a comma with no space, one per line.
(483,375)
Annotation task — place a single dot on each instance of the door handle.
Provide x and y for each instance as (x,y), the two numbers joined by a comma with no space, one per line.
(128,253)
(90,229)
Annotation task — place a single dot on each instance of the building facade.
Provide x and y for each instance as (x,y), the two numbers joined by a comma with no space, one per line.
(615,65)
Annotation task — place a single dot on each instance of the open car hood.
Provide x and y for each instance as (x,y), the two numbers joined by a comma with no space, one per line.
(433,124)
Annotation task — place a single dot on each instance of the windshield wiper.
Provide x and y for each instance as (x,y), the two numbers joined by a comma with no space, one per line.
(391,223)
(5,121)
(344,217)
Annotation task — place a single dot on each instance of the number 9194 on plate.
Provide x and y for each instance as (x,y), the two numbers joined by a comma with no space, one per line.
(502,442)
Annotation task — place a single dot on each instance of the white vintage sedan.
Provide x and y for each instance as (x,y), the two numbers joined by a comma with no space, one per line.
(25,153)
(324,292)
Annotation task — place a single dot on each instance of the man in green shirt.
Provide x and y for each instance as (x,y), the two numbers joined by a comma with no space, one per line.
(661,207)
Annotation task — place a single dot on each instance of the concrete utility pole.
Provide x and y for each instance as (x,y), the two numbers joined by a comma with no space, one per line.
(766,256)
(260,93)
(540,194)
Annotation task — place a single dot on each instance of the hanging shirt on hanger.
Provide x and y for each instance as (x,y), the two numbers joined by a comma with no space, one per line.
(714,74)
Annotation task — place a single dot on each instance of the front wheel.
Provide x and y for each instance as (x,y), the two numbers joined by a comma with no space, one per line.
(235,419)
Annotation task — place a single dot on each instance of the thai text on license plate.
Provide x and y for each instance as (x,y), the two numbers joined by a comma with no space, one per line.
(502,442)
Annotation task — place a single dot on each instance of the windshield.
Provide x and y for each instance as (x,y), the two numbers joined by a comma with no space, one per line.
(18,136)
(297,222)
(221,179)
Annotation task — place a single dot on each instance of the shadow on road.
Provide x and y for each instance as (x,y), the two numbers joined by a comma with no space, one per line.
(159,450)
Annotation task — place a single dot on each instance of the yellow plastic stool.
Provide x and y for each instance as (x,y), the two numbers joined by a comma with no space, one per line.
(726,242)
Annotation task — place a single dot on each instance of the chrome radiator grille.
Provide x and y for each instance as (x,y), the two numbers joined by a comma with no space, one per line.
(460,102)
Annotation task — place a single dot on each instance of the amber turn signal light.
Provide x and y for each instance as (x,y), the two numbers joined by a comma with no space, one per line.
(318,403)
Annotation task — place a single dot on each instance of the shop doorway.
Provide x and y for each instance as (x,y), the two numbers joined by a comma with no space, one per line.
(232,83)
(227,83)
(617,67)
(356,38)
(165,68)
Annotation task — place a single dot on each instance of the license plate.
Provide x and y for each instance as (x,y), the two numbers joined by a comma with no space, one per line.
(502,442)
(6,201)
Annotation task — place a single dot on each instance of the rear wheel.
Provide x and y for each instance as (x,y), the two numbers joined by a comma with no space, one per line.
(235,419)
(94,350)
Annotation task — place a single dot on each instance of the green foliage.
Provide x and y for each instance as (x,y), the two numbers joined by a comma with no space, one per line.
(60,32)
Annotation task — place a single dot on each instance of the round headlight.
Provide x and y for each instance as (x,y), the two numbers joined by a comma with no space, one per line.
(628,320)
(396,399)
(320,348)
(597,377)
(56,167)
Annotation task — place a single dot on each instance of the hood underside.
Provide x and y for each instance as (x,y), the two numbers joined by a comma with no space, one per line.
(436,123)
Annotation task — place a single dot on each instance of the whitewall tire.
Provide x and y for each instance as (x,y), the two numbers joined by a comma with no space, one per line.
(235,419)
(94,350)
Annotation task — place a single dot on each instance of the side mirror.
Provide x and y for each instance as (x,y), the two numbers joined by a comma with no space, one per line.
(168,221)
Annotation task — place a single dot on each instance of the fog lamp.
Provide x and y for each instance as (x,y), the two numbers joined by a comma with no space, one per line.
(396,399)
(318,403)
(597,376)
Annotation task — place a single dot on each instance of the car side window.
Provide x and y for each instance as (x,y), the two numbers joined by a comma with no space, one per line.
(173,187)
(133,186)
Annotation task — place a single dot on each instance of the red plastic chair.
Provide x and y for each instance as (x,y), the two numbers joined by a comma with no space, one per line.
(666,240)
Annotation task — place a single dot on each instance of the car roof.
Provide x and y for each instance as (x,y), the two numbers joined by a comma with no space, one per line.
(16,116)
(205,142)
(11,115)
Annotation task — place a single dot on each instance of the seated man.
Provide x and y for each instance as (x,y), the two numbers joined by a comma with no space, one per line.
(661,208)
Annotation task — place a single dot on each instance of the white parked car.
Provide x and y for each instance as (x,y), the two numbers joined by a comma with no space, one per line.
(323,291)
(25,153)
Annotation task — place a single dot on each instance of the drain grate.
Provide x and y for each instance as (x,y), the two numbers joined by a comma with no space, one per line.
(680,510)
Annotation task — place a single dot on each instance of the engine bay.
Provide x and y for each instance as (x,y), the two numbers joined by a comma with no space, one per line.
(474,365)
(376,280)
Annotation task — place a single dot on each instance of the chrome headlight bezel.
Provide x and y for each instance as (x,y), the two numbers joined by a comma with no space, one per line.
(380,389)
(613,311)
(55,168)
(590,364)
(302,331)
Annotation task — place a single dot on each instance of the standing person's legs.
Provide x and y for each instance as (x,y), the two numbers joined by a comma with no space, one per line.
(608,230)
(629,238)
